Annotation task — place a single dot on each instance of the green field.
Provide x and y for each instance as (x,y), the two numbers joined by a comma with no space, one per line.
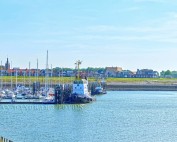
(139,80)
(56,80)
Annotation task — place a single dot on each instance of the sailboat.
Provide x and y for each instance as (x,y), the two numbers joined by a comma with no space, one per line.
(49,92)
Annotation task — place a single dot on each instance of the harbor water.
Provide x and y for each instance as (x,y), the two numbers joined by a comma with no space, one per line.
(124,116)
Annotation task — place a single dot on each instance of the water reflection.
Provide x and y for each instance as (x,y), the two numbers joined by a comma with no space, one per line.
(69,106)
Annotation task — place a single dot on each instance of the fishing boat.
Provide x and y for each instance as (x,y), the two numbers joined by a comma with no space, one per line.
(98,87)
(98,90)
(80,93)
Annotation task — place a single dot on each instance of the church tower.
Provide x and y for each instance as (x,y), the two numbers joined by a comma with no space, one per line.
(7,64)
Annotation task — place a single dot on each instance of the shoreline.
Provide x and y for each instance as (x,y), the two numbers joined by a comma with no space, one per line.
(143,86)
(128,86)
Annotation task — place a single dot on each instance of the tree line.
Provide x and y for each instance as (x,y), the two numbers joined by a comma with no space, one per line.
(169,73)
(89,69)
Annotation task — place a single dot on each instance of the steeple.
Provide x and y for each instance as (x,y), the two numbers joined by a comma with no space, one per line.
(7,64)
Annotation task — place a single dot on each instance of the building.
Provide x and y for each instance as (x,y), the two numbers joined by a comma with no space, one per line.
(7,64)
(126,74)
(146,73)
(112,71)
(2,67)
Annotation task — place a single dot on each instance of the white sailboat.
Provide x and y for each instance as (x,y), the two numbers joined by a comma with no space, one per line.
(49,92)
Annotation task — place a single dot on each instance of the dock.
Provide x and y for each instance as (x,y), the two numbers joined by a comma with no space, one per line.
(62,95)
(28,103)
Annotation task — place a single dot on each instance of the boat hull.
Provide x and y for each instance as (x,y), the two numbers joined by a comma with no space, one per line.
(80,99)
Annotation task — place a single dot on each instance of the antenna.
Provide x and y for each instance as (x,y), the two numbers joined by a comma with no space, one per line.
(78,63)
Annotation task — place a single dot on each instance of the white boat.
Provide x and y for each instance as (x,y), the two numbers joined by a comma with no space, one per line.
(19,96)
(8,94)
(2,94)
(49,99)
(13,97)
(50,95)
(99,90)
(80,93)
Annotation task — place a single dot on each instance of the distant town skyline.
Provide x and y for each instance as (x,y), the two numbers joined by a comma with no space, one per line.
(132,34)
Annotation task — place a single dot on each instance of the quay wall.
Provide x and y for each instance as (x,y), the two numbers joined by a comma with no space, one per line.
(141,87)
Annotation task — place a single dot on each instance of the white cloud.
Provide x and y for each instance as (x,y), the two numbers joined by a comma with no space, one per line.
(163,30)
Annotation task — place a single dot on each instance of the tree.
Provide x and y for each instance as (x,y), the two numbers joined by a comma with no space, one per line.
(168,72)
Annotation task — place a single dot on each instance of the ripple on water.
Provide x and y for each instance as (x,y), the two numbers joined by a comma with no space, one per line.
(117,116)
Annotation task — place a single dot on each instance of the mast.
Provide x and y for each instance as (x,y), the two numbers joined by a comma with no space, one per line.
(51,75)
(37,70)
(1,74)
(58,76)
(11,75)
(16,77)
(24,74)
(29,74)
(46,74)
(62,79)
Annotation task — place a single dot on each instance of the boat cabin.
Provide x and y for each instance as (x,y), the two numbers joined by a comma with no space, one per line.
(80,87)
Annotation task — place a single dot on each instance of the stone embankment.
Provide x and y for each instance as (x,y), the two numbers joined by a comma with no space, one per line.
(127,86)
(115,86)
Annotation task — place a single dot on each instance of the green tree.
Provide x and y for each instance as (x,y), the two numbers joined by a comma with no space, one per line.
(168,72)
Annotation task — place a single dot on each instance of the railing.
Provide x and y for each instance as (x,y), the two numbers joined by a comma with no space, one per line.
(2,139)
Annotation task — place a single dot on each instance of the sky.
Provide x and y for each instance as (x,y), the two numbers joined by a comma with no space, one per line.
(132,34)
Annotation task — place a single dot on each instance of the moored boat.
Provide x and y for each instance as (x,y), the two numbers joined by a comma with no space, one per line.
(80,93)
(98,88)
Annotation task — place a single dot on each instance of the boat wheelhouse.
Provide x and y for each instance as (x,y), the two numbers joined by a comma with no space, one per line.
(80,87)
